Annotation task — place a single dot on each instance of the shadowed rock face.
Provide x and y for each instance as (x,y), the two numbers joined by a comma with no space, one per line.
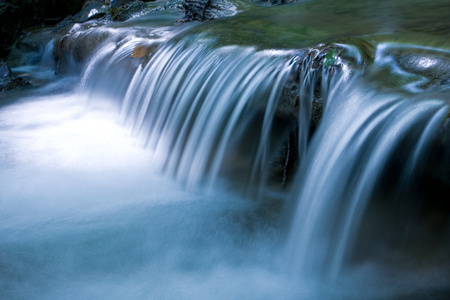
(17,15)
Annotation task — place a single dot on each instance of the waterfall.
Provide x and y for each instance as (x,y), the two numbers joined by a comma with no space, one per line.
(195,107)
(361,129)
(202,112)
(278,153)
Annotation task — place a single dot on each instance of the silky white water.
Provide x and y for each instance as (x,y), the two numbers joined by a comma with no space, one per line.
(362,130)
(94,173)
(84,215)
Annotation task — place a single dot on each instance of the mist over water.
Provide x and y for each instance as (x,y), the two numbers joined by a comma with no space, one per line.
(83,215)
(148,176)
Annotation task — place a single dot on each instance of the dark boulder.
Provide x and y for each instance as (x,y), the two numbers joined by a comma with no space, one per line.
(5,71)
(304,88)
(195,9)
(8,80)
(279,2)
(119,3)
(316,61)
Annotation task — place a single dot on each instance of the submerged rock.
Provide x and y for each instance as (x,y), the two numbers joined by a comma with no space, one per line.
(144,50)
(430,65)
(415,68)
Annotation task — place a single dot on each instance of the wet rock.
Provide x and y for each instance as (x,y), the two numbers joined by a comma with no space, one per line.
(279,2)
(314,68)
(95,14)
(8,80)
(314,63)
(317,61)
(289,103)
(118,3)
(202,10)
(195,9)
(92,9)
(218,9)
(5,71)
(284,165)
(430,65)
(429,69)
(72,49)
(125,3)
(107,11)
(144,50)
(74,43)
(129,11)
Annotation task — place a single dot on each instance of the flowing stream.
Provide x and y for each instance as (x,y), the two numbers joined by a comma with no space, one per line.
(151,175)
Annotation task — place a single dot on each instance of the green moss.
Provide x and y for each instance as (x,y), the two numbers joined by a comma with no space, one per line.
(307,23)
(115,12)
(330,58)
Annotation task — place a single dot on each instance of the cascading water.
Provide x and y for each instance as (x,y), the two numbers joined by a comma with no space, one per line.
(190,105)
(84,216)
(345,160)
(361,130)
(193,116)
